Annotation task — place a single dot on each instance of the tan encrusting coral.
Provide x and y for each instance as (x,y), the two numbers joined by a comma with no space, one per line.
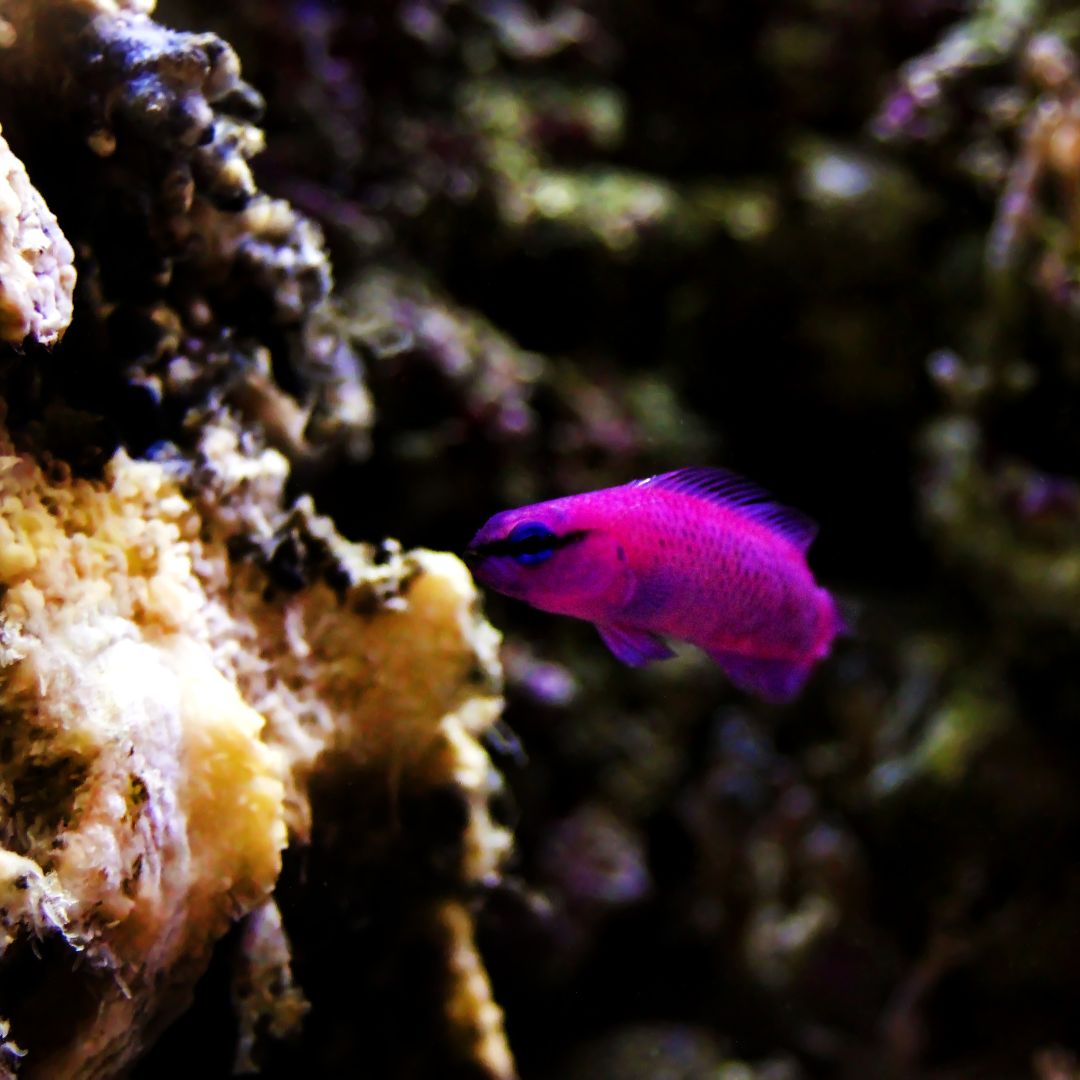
(162,712)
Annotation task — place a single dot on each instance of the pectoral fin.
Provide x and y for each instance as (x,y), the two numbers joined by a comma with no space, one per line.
(634,647)
(773,680)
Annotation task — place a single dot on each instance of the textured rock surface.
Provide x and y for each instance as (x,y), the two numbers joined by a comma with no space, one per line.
(189,651)
(128,748)
(163,715)
(37,277)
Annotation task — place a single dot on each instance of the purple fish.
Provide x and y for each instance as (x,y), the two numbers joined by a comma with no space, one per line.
(699,555)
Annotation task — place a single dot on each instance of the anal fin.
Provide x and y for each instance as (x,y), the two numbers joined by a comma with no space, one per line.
(634,647)
(774,680)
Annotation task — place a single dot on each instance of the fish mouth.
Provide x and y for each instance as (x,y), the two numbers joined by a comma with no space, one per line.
(476,555)
(476,560)
(496,572)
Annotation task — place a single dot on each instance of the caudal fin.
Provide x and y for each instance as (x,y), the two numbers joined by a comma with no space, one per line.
(778,681)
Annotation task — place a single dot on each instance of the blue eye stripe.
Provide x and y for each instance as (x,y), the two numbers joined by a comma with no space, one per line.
(530,543)
(531,558)
(535,543)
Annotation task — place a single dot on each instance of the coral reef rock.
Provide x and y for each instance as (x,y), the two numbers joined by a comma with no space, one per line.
(37,275)
(163,708)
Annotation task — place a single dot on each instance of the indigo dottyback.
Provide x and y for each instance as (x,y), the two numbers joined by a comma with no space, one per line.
(699,554)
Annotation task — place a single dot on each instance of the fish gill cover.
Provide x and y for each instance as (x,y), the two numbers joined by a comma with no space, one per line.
(280,281)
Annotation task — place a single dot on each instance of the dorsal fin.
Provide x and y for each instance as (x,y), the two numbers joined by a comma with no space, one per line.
(744,498)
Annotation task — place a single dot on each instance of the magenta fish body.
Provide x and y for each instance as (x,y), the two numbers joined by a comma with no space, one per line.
(698,555)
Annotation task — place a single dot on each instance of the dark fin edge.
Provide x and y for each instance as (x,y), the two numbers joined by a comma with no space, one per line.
(741,496)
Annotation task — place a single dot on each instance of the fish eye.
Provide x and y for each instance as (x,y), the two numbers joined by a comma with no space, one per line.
(531,543)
